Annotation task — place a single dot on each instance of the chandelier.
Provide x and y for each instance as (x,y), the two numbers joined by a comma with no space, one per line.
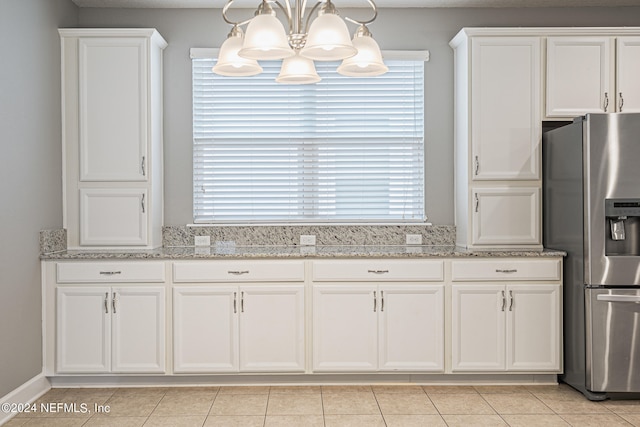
(326,39)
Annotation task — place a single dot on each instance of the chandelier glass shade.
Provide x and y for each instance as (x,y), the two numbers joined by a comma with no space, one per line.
(229,63)
(326,39)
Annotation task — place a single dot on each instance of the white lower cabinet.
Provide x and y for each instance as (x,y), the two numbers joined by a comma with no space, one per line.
(513,327)
(205,329)
(102,329)
(389,327)
(247,328)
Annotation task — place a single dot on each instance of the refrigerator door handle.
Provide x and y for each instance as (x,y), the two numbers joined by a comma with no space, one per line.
(619,298)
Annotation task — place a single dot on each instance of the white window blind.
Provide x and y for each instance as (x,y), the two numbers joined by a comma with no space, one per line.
(343,150)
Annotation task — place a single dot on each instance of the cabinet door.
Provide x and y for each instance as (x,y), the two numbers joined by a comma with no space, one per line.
(628,70)
(272,328)
(113,216)
(478,327)
(113,108)
(411,325)
(579,76)
(138,329)
(533,328)
(83,329)
(205,329)
(345,336)
(506,216)
(505,108)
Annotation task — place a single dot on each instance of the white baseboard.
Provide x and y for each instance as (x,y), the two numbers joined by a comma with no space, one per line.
(26,393)
(108,381)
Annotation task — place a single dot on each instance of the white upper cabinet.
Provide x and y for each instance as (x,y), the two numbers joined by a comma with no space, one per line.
(113,81)
(627,73)
(579,71)
(592,75)
(505,108)
(112,137)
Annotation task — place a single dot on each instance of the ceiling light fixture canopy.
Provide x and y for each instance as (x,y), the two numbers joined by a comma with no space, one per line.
(326,39)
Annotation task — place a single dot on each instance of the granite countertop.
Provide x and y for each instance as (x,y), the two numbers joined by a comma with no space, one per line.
(293,252)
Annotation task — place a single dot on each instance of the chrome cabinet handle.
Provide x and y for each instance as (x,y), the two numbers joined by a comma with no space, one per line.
(237,272)
(241,302)
(235,302)
(477,202)
(113,303)
(513,270)
(621,103)
(606,101)
(375,302)
(106,302)
(504,301)
(381,301)
(142,203)
(477,165)
(142,166)
(378,271)
(110,273)
(510,300)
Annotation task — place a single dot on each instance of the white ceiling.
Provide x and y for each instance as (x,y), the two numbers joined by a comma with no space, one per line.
(360,3)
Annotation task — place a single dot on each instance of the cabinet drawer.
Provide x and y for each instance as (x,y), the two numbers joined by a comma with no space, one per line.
(238,271)
(110,272)
(508,269)
(378,270)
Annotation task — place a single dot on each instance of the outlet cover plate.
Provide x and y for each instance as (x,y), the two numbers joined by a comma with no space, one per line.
(202,240)
(414,239)
(307,240)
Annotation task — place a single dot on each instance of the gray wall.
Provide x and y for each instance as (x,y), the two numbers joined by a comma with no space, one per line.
(30,172)
(395,29)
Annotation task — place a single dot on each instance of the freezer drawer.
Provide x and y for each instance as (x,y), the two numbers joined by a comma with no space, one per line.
(613,339)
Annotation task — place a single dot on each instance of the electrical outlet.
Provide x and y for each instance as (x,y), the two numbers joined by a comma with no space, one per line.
(307,240)
(202,240)
(414,239)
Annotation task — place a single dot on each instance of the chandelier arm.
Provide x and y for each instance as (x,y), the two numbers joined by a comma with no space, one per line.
(375,15)
(287,13)
(227,20)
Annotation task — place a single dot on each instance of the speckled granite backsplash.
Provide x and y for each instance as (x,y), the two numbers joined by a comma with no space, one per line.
(52,241)
(326,235)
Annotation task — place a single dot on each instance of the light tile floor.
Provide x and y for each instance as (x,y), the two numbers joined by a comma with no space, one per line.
(331,406)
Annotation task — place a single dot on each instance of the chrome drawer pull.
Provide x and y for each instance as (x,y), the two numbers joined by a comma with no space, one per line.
(515,270)
(237,272)
(110,273)
(378,271)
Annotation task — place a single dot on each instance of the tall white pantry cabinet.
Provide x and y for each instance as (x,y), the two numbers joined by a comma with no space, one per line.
(112,137)
(498,133)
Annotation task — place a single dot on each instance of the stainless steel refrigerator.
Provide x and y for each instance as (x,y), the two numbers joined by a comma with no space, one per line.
(591,187)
